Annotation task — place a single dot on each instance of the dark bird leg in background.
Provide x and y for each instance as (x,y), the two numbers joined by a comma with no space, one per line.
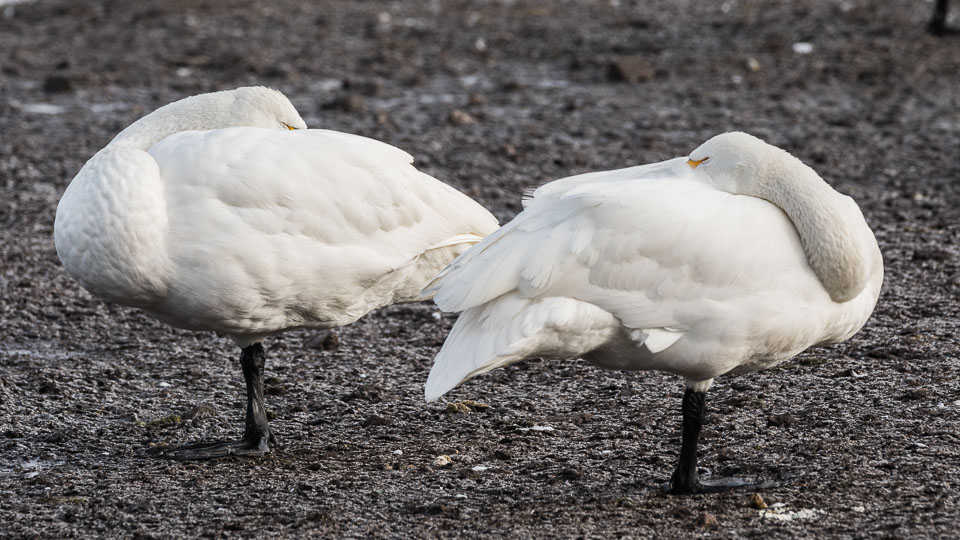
(938,24)
(685,478)
(256,434)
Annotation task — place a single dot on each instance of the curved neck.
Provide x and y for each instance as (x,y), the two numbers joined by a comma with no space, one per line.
(202,112)
(830,225)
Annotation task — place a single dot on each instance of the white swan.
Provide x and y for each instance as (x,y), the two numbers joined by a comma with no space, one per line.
(732,260)
(223,212)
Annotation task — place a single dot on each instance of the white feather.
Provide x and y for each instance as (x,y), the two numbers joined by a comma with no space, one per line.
(253,230)
(661,267)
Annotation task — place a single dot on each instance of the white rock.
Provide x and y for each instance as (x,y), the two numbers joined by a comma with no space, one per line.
(779,512)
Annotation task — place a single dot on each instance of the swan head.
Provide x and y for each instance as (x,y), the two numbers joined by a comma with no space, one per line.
(258,106)
(736,162)
(252,106)
(830,225)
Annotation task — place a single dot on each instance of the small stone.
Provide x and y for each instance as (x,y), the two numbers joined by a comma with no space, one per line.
(374,420)
(753,64)
(56,84)
(466,406)
(756,501)
(781,420)
(48,386)
(350,103)
(169,420)
(442,461)
(273,386)
(709,521)
(456,408)
(365,87)
(631,69)
(725,454)
(461,118)
(323,342)
(937,255)
(915,394)
(202,410)
(367,392)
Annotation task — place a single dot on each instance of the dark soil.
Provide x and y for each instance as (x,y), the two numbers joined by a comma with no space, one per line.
(494,98)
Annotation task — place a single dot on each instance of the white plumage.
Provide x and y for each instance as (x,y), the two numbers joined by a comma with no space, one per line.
(732,260)
(215,213)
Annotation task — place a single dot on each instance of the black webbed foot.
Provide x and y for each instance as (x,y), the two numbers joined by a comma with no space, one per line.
(255,446)
(686,478)
(257,436)
(719,485)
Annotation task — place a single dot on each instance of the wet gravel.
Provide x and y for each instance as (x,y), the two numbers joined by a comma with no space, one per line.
(493,97)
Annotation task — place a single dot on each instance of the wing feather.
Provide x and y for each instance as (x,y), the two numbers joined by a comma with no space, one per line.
(333,188)
(640,243)
(264,222)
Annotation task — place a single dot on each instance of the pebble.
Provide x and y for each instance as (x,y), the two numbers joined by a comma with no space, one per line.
(466,406)
(780,420)
(537,428)
(757,501)
(202,410)
(350,103)
(442,461)
(328,341)
(709,521)
(55,84)
(632,69)
(461,118)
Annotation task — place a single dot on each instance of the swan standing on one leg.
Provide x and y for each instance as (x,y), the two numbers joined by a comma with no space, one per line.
(223,212)
(732,260)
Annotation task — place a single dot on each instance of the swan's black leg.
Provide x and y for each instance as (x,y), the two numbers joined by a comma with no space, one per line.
(685,478)
(256,434)
(256,429)
(938,24)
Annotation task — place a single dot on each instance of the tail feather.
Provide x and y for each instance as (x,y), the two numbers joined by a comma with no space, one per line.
(509,329)
(463,238)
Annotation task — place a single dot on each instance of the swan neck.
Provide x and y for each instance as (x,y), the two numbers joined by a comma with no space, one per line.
(830,226)
(193,113)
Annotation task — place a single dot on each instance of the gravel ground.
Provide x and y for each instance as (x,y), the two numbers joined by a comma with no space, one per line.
(493,97)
